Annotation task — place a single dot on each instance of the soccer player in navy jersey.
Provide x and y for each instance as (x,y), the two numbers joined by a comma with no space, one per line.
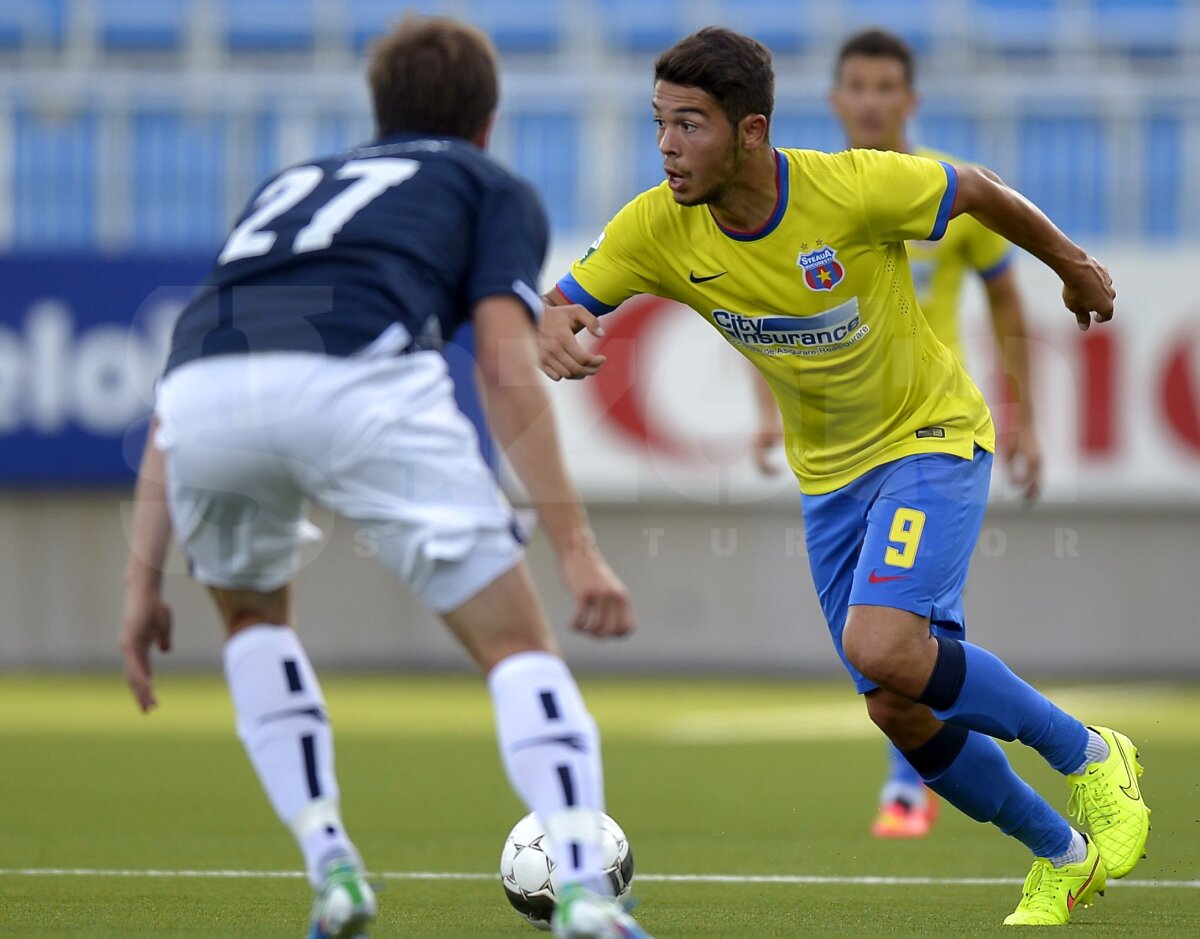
(307,368)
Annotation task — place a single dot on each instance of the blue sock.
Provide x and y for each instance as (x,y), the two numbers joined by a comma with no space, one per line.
(971,772)
(972,688)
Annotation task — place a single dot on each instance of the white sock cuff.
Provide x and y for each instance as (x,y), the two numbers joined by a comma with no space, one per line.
(254,638)
(528,666)
(538,687)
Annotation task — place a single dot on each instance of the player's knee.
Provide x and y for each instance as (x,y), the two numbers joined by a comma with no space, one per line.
(901,720)
(502,620)
(881,648)
(243,609)
(870,653)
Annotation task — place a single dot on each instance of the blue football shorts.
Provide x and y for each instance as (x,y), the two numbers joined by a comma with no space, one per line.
(900,536)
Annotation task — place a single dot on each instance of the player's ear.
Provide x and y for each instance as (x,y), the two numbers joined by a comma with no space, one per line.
(754,131)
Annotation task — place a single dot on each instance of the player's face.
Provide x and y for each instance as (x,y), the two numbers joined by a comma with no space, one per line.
(698,145)
(873,100)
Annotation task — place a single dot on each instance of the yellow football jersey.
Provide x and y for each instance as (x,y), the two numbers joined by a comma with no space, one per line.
(820,299)
(938,268)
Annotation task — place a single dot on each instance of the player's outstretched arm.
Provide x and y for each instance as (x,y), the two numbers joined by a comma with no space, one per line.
(522,419)
(146,619)
(1087,286)
(561,355)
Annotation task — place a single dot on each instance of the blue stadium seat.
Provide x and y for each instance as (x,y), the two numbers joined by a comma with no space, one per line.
(527,27)
(644,28)
(54,179)
(1140,27)
(32,23)
(544,148)
(810,129)
(141,25)
(1017,27)
(1162,208)
(783,26)
(335,132)
(1062,165)
(267,158)
(366,19)
(179,168)
(952,133)
(913,20)
(278,26)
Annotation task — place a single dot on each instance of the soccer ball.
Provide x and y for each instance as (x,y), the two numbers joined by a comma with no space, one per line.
(527,869)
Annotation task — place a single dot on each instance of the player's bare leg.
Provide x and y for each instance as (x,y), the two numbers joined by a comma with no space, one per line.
(549,744)
(283,724)
(504,619)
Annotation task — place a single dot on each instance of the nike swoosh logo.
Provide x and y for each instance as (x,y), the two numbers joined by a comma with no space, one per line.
(1131,790)
(881,579)
(701,280)
(1072,898)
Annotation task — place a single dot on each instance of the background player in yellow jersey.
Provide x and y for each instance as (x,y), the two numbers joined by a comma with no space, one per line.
(797,258)
(874,98)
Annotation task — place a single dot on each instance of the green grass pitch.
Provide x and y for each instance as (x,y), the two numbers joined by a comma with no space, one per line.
(707,777)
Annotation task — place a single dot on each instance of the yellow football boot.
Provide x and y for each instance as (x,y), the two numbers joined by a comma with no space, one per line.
(1051,893)
(1108,798)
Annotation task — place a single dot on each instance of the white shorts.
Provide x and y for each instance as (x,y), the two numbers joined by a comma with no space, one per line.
(250,439)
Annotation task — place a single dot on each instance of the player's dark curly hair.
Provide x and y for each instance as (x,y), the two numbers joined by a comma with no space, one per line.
(735,69)
(433,75)
(877,44)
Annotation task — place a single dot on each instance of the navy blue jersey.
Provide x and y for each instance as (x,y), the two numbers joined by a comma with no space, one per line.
(394,241)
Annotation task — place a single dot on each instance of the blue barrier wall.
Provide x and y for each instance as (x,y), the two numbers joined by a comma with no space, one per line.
(82,341)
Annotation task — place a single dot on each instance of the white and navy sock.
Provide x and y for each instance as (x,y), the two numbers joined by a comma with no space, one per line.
(1076,851)
(281,720)
(1097,752)
(551,752)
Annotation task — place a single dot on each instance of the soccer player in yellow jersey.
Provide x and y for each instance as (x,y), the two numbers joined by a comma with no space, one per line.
(797,259)
(874,98)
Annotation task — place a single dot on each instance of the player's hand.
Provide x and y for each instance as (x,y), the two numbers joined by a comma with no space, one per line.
(602,607)
(561,354)
(1023,454)
(764,446)
(145,622)
(1088,289)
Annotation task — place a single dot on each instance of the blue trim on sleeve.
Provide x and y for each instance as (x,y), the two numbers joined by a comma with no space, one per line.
(946,206)
(999,267)
(569,287)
